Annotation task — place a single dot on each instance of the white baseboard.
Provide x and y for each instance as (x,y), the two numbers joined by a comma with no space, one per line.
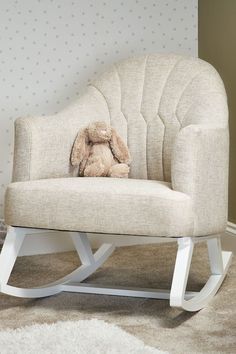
(44,243)
(231,228)
(53,242)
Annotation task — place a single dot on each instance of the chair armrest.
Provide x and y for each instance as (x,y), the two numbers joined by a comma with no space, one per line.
(199,168)
(43,144)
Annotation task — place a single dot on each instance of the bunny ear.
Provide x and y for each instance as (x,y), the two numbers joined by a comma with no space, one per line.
(79,147)
(119,148)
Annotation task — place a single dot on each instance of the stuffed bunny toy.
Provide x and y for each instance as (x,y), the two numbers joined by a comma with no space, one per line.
(99,151)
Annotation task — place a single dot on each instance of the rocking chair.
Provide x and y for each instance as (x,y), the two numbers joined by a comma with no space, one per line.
(172,112)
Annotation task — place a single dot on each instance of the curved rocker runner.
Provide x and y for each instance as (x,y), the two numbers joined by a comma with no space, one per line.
(179,297)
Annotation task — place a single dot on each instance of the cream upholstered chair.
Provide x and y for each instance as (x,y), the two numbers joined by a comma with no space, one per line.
(172,111)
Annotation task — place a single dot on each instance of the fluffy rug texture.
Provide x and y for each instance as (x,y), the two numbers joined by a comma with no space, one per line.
(81,337)
(211,330)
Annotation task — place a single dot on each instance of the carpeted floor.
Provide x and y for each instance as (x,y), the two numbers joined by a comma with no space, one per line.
(73,337)
(212,330)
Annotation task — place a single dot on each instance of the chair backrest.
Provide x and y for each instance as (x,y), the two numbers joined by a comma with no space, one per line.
(150,98)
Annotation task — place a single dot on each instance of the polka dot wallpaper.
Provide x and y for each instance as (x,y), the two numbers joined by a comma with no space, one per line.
(49,49)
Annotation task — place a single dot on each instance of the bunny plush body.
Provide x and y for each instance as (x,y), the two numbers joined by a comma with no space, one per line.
(99,151)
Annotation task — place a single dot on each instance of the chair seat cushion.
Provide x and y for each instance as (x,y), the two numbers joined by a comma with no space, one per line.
(101,205)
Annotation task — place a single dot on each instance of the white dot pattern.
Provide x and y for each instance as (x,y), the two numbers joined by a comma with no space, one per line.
(49,49)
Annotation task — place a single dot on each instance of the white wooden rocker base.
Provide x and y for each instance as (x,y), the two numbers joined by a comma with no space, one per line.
(178,296)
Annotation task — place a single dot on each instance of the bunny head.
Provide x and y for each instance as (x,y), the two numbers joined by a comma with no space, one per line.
(99,132)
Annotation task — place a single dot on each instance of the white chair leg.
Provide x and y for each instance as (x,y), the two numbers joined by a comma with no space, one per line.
(10,251)
(82,247)
(219,264)
(215,255)
(181,271)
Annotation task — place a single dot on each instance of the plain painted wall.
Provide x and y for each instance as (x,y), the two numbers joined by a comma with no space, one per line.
(217,45)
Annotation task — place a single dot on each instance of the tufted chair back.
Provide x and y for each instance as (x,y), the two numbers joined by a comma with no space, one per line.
(150,98)
(147,99)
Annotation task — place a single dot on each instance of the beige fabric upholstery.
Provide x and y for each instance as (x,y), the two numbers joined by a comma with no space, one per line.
(171,110)
(201,171)
(147,99)
(43,144)
(106,205)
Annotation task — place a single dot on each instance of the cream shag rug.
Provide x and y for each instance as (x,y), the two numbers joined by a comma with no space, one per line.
(81,337)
